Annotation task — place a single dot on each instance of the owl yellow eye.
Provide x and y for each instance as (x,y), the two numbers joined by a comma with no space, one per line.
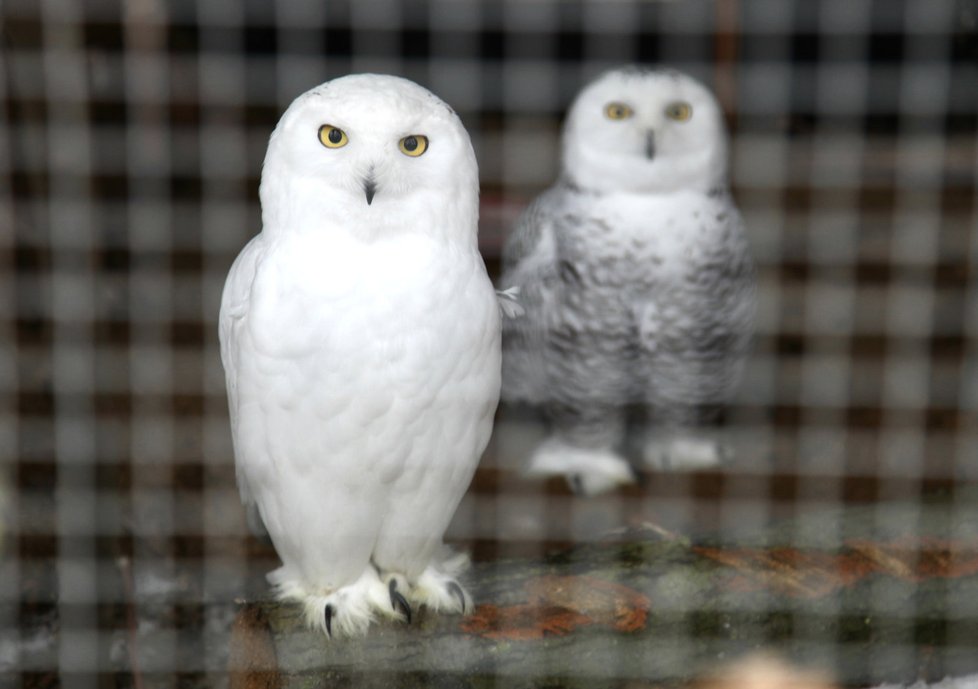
(413,145)
(679,111)
(332,137)
(617,111)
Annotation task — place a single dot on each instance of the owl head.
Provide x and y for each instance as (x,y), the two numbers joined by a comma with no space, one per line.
(363,153)
(645,130)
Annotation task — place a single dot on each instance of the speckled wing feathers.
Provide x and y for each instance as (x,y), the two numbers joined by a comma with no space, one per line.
(530,264)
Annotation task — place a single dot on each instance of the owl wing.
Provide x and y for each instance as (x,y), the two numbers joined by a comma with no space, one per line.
(530,267)
(235,302)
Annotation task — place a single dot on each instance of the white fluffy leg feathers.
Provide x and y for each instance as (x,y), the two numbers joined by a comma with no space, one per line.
(438,588)
(347,611)
(685,453)
(588,471)
(350,610)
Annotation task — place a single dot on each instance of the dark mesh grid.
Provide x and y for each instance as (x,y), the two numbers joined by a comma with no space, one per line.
(131,140)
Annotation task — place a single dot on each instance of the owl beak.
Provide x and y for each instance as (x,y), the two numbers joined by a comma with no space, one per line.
(650,144)
(369,187)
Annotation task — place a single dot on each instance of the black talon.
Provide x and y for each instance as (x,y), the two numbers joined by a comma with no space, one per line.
(329,620)
(459,593)
(399,602)
(577,484)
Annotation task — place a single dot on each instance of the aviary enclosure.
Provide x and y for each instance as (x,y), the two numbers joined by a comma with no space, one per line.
(843,532)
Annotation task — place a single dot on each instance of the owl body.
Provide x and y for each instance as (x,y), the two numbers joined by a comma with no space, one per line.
(661,280)
(637,285)
(361,349)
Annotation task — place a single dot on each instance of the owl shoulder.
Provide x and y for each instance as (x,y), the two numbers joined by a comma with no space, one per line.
(236,296)
(535,226)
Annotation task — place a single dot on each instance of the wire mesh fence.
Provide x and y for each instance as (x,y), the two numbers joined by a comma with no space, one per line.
(132,139)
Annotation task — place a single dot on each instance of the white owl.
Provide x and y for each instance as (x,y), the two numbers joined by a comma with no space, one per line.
(360,336)
(636,279)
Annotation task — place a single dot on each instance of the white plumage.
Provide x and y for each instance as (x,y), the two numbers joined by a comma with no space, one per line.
(636,279)
(360,338)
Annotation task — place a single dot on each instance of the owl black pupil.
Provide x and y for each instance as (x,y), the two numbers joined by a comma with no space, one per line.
(410,143)
(335,136)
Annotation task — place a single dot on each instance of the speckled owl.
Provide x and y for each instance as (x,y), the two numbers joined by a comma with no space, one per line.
(636,280)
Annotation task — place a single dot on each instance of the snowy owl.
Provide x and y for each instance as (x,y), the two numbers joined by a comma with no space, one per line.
(360,337)
(636,279)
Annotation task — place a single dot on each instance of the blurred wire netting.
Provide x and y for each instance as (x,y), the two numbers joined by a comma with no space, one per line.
(131,140)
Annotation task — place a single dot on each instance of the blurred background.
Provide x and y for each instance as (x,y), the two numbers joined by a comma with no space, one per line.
(131,139)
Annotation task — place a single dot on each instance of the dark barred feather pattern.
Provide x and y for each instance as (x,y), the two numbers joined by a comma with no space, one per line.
(619,324)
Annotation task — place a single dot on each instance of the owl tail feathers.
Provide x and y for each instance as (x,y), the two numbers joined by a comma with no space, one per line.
(344,612)
(588,471)
(438,589)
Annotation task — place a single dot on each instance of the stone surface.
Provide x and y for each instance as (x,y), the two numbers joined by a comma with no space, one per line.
(881,594)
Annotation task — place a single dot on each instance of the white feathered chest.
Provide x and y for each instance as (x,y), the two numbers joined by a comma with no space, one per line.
(361,299)
(351,344)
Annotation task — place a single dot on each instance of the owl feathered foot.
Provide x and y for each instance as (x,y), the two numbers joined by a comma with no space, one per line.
(438,589)
(685,453)
(350,610)
(345,612)
(588,471)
